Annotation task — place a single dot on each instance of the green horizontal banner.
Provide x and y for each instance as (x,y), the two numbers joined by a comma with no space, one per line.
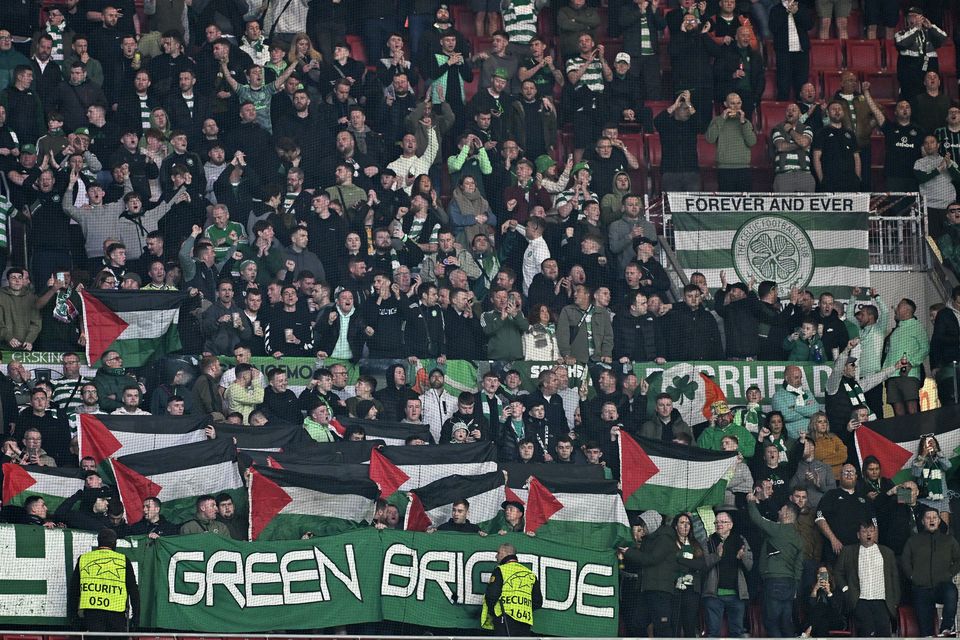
(205,583)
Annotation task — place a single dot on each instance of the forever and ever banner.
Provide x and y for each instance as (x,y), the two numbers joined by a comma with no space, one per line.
(206,583)
(811,241)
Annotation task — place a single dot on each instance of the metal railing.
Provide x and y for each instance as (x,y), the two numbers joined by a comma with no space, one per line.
(898,229)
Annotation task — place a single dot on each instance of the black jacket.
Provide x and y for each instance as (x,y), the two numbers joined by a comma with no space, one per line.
(741,322)
(326,334)
(778,27)
(469,341)
(637,337)
(694,335)
(281,407)
(425,331)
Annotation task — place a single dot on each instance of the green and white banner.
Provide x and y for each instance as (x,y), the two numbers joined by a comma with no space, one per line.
(683,382)
(206,583)
(817,241)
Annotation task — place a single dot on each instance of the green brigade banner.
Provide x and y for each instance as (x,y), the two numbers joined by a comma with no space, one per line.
(206,583)
(818,242)
(682,380)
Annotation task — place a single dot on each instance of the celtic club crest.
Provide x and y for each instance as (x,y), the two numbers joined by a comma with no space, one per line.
(773,248)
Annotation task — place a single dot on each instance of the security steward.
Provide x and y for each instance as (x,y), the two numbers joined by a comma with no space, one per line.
(511,596)
(103,586)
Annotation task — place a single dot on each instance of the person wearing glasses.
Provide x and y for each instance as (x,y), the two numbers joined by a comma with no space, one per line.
(840,513)
(111,379)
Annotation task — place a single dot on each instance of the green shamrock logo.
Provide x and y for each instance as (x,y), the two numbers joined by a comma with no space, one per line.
(682,388)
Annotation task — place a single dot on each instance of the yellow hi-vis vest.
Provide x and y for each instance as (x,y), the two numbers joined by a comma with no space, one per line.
(103,580)
(516,597)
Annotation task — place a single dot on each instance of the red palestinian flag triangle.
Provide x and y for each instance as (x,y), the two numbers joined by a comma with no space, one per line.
(510,496)
(541,504)
(388,476)
(133,488)
(138,326)
(636,467)
(416,518)
(337,428)
(105,436)
(284,505)
(53,484)
(95,440)
(101,325)
(891,455)
(712,392)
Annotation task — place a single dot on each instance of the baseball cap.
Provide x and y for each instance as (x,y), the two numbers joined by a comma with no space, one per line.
(623,56)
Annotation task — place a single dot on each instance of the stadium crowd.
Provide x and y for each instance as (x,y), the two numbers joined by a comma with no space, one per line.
(359,181)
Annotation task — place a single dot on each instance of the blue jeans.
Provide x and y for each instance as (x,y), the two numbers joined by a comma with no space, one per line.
(760,11)
(925,600)
(715,606)
(778,597)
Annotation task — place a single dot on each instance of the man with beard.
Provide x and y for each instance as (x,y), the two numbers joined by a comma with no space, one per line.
(791,140)
(438,404)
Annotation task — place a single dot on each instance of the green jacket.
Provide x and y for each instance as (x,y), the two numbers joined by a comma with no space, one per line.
(711,437)
(949,244)
(929,559)
(908,337)
(800,350)
(780,537)
(111,382)
(504,337)
(19,316)
(733,140)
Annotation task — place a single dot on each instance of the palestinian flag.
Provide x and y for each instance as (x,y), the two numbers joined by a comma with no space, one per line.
(432,505)
(53,484)
(895,441)
(305,459)
(274,437)
(572,509)
(392,433)
(284,505)
(671,478)
(407,468)
(138,325)
(105,436)
(176,475)
(692,390)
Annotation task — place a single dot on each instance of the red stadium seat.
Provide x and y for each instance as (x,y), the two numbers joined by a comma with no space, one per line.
(864,55)
(883,86)
(948,60)
(907,622)
(545,22)
(826,56)
(463,19)
(770,86)
(890,56)
(831,84)
(707,155)
(634,143)
(357,50)
(654,161)
(854,25)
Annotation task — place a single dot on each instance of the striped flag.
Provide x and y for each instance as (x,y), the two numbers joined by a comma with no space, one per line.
(6,212)
(274,437)
(52,484)
(818,242)
(671,478)
(105,436)
(569,504)
(177,476)
(692,391)
(314,453)
(408,468)
(895,441)
(459,376)
(392,433)
(285,505)
(432,505)
(139,325)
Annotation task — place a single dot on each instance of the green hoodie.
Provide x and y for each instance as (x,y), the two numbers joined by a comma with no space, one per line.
(610,206)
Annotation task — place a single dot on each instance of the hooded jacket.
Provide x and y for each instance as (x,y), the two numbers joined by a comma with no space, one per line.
(929,559)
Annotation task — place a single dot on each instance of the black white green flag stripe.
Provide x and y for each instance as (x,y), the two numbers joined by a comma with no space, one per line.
(671,478)
(286,505)
(103,436)
(177,476)
(423,465)
(52,484)
(818,242)
(138,324)
(432,505)
(571,508)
